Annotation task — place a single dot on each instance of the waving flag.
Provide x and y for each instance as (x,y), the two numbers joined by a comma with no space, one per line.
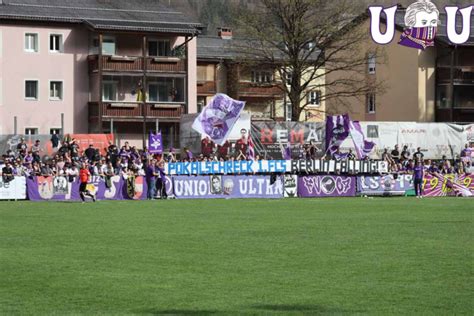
(337,130)
(218,117)
(155,143)
(362,146)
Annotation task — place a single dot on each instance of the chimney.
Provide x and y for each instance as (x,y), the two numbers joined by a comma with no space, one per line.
(224,33)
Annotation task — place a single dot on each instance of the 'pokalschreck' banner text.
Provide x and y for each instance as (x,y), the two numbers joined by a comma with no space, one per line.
(276,166)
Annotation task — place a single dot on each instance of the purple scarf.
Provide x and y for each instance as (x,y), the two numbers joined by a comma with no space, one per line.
(418,37)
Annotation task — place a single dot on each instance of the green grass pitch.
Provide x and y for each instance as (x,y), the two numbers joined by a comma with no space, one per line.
(296,256)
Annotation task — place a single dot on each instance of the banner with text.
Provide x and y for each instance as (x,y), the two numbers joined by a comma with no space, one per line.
(61,189)
(276,166)
(271,138)
(385,185)
(216,186)
(13,190)
(326,186)
(448,184)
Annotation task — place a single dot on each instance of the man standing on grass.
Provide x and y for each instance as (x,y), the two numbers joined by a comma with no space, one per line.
(84,176)
(418,171)
(150,175)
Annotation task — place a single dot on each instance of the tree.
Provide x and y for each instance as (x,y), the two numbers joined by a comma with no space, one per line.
(307,40)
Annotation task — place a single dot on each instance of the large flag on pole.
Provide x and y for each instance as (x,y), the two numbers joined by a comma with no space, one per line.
(218,117)
(337,130)
(251,149)
(155,143)
(362,146)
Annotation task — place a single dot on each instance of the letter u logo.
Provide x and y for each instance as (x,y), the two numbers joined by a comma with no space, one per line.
(453,35)
(377,36)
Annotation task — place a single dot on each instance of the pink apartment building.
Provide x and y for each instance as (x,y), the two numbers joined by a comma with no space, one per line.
(95,66)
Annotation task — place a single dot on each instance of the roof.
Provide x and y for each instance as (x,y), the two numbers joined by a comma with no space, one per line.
(217,48)
(120,15)
(214,47)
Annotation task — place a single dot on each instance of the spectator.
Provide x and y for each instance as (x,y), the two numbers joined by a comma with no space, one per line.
(241,146)
(90,152)
(22,147)
(395,154)
(223,150)
(54,140)
(36,151)
(7,173)
(405,153)
(418,155)
(207,147)
(466,152)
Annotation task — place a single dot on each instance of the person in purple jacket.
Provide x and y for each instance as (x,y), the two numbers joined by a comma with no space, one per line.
(418,172)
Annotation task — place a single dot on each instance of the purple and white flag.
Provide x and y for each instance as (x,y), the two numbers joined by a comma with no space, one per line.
(337,130)
(362,146)
(155,143)
(218,117)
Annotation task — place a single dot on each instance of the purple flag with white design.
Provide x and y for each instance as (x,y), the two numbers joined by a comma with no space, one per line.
(155,143)
(337,130)
(218,117)
(362,146)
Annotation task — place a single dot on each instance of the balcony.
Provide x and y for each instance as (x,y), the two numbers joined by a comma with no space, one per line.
(260,90)
(134,111)
(136,64)
(206,87)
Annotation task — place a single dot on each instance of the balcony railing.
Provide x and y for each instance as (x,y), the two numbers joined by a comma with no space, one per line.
(206,87)
(266,90)
(136,111)
(136,64)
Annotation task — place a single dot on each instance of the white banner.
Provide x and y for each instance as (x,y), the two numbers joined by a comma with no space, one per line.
(435,139)
(13,190)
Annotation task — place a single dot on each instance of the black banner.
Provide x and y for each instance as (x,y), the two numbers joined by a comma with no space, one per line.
(271,139)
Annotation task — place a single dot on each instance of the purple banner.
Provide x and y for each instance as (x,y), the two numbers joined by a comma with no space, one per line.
(385,185)
(155,143)
(216,186)
(337,130)
(324,186)
(60,189)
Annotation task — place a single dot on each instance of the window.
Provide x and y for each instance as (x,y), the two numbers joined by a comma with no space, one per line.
(166,90)
(371,103)
(56,90)
(371,63)
(201,73)
(261,77)
(288,78)
(108,46)
(31,89)
(31,131)
(159,48)
(289,111)
(109,92)
(314,97)
(55,43)
(31,42)
(53,131)
(201,103)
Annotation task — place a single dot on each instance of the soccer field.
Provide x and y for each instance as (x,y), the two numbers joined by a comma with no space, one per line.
(190,257)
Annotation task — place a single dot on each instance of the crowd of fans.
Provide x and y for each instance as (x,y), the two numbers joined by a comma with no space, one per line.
(129,161)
